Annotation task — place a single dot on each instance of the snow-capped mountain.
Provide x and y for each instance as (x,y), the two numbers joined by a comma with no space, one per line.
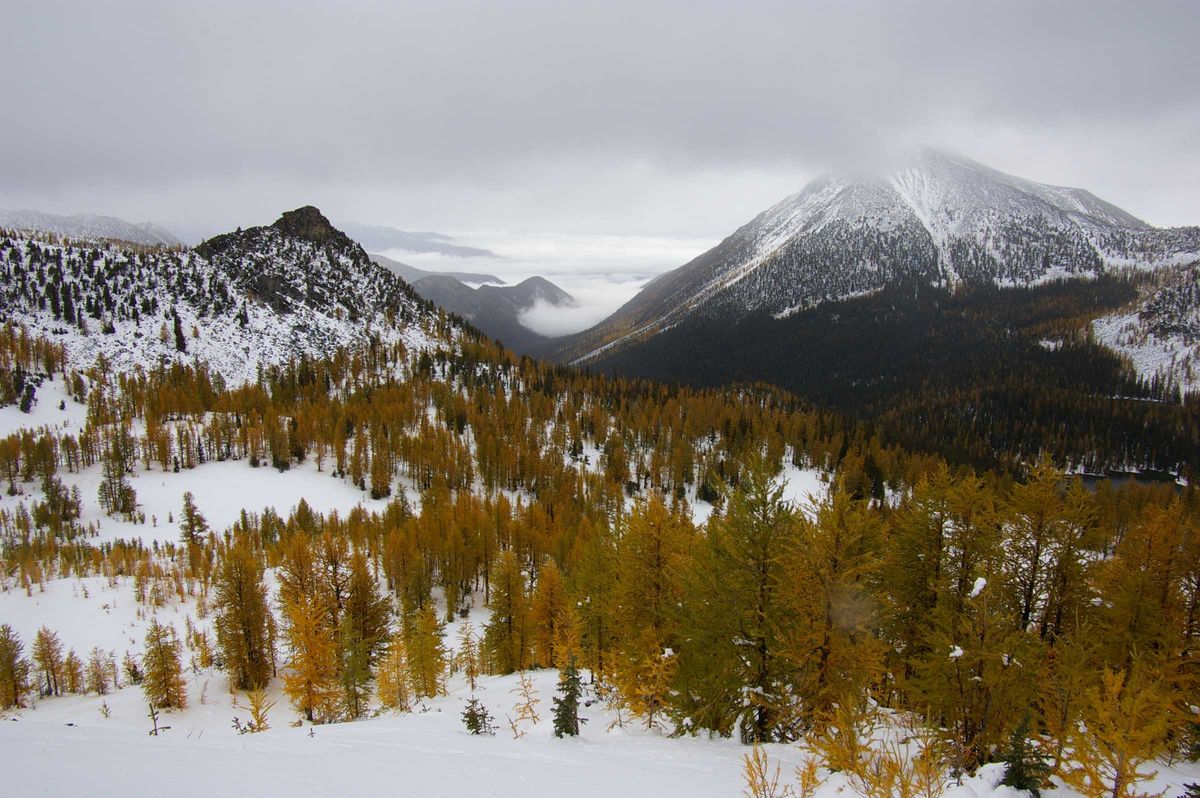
(941,220)
(89,226)
(237,301)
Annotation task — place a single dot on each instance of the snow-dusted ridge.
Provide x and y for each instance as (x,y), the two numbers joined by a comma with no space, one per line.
(90,226)
(237,302)
(1161,335)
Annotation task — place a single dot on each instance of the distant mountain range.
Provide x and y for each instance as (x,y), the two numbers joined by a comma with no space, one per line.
(89,226)
(495,310)
(378,238)
(412,274)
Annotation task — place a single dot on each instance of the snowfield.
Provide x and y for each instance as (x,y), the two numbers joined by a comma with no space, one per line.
(222,490)
(66,747)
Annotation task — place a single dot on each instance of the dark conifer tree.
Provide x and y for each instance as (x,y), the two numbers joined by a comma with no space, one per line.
(476,718)
(566,703)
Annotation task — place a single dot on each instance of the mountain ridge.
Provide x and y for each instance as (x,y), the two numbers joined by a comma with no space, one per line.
(940,220)
(376,238)
(89,226)
(411,273)
(497,310)
(239,301)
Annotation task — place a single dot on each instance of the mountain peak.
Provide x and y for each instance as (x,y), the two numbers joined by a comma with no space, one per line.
(936,219)
(309,224)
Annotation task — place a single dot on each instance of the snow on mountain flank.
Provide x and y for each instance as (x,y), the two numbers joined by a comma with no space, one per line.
(237,302)
(1161,335)
(940,220)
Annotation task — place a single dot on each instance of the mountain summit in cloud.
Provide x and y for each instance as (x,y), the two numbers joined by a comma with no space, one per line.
(940,220)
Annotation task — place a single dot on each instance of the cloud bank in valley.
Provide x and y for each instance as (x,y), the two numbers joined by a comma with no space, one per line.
(601,272)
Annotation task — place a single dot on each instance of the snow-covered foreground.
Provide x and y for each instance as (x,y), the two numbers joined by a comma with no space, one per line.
(68,746)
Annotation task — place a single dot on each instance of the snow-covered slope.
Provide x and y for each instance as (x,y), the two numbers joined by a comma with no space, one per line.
(237,301)
(89,226)
(940,220)
(1161,335)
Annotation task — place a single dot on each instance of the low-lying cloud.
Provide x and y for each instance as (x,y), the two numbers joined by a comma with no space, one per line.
(601,272)
(596,299)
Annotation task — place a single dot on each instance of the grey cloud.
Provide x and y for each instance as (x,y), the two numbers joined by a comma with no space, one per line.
(674,118)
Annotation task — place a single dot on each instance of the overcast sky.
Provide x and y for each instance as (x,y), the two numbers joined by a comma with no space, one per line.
(574,119)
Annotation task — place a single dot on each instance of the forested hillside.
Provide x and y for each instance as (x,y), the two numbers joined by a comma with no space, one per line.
(550,515)
(986,376)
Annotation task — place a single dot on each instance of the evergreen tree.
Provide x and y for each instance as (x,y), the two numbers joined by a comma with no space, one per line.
(192,529)
(1026,768)
(163,682)
(244,623)
(48,656)
(180,340)
(731,672)
(566,703)
(476,717)
(116,495)
(14,669)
